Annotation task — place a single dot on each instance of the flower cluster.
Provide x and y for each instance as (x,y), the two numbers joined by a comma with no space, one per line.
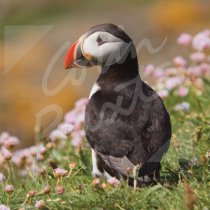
(72,126)
(184,72)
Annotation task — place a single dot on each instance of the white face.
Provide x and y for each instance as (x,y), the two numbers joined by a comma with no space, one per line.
(105,48)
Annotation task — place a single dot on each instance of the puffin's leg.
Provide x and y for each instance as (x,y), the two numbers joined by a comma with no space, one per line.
(95,171)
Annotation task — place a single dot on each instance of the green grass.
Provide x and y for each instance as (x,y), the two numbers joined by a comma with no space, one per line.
(169,193)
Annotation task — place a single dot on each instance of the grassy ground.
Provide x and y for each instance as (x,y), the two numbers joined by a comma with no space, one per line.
(181,186)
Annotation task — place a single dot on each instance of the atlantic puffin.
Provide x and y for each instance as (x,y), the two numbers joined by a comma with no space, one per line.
(126,122)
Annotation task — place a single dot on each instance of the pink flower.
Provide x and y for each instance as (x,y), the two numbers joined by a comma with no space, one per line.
(57,135)
(96,181)
(195,70)
(40,204)
(184,39)
(197,57)
(183,91)
(173,82)
(76,139)
(11,142)
(163,93)
(9,188)
(59,190)
(158,73)
(6,153)
(201,41)
(59,172)
(70,117)
(3,207)
(205,68)
(182,106)
(179,61)
(66,128)
(81,102)
(114,182)
(149,69)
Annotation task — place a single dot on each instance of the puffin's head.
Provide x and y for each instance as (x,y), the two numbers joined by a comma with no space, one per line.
(103,45)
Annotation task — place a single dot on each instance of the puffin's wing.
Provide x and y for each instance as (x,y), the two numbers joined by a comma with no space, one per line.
(121,164)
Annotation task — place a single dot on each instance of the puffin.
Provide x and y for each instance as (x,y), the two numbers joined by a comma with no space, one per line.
(126,123)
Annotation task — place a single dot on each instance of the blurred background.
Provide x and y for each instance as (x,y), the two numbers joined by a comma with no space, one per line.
(34,32)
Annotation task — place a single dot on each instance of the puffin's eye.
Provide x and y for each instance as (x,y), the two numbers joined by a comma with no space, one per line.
(100,40)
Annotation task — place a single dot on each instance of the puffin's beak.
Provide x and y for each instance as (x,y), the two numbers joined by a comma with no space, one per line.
(75,57)
(71,56)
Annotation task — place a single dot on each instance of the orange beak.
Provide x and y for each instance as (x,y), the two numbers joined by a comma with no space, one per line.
(71,56)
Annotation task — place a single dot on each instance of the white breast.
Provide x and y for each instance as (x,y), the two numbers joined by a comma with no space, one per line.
(94,89)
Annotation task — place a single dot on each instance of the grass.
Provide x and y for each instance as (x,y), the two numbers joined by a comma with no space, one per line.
(181,186)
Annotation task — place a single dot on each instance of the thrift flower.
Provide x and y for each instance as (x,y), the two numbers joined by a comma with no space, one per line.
(182,107)
(57,135)
(197,57)
(96,182)
(9,188)
(66,128)
(72,165)
(183,91)
(6,153)
(59,190)
(114,182)
(47,189)
(11,142)
(3,137)
(59,172)
(184,39)
(179,61)
(163,93)
(40,204)
(149,69)
(3,207)
(201,41)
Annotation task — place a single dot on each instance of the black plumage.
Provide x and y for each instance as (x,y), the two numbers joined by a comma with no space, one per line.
(126,122)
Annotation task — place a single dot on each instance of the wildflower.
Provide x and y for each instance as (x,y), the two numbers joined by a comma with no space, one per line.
(59,172)
(163,93)
(72,165)
(104,186)
(158,73)
(9,188)
(197,57)
(11,142)
(32,193)
(205,68)
(66,128)
(96,182)
(3,207)
(184,39)
(57,135)
(182,107)
(113,182)
(149,69)
(201,41)
(47,189)
(40,204)
(70,117)
(82,102)
(6,153)
(179,61)
(76,139)
(183,91)
(59,190)
(195,70)
(2,177)
(173,82)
